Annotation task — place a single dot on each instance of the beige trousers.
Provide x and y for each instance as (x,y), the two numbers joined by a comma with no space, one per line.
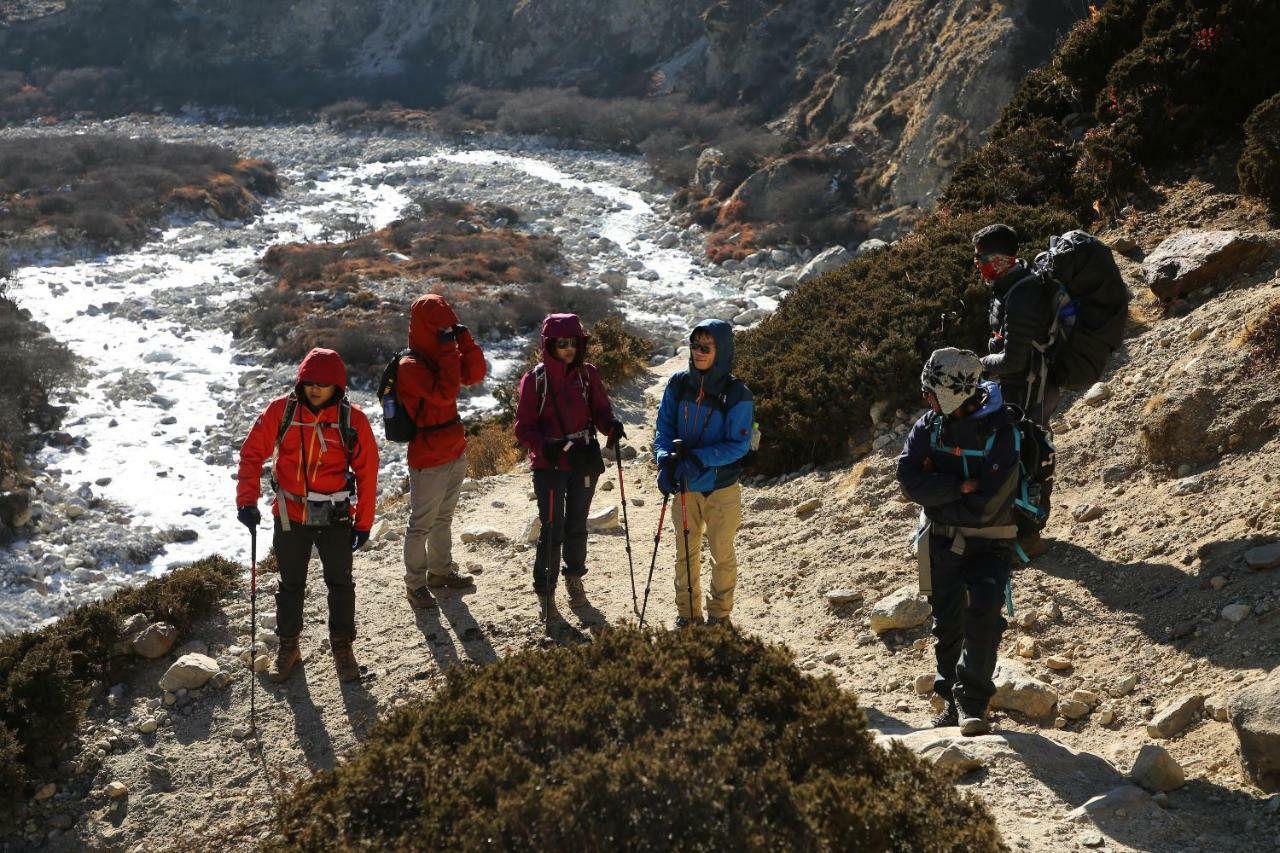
(716,516)
(428,542)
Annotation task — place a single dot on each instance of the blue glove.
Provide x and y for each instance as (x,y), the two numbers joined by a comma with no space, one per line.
(666,480)
(249,516)
(358,538)
(689,470)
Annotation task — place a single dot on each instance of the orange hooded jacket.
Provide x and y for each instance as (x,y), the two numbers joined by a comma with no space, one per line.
(429,379)
(326,461)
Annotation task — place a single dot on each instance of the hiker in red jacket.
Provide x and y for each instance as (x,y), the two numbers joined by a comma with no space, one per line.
(443,358)
(325,473)
(562,405)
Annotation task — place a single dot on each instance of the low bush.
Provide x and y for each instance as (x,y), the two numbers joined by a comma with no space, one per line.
(1259,166)
(46,675)
(112,190)
(1262,338)
(68,92)
(616,351)
(702,740)
(860,334)
(492,448)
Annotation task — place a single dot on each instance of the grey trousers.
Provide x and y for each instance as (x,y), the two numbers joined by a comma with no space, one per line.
(428,541)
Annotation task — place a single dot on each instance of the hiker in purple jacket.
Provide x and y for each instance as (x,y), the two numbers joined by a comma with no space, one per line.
(563,405)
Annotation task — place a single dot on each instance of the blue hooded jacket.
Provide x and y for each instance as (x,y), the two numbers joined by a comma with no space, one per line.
(691,411)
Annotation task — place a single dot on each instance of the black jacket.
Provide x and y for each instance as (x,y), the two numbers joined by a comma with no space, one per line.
(1021,316)
(938,491)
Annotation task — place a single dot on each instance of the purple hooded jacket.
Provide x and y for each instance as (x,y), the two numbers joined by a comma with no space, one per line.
(574,388)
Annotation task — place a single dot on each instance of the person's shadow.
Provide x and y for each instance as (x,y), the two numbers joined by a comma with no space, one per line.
(308,724)
(361,708)
(475,644)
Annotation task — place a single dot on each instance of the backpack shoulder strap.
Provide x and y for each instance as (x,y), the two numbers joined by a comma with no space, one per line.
(286,420)
(540,385)
(346,432)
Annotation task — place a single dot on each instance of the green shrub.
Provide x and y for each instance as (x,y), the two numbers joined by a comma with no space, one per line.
(860,334)
(1259,166)
(696,740)
(616,351)
(45,675)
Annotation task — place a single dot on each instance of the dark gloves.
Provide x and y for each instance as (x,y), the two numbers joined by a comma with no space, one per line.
(249,516)
(446,336)
(551,451)
(666,480)
(616,433)
(679,452)
(358,538)
(689,469)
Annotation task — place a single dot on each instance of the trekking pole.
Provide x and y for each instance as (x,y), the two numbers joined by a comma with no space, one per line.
(549,579)
(688,568)
(656,536)
(253,629)
(626,527)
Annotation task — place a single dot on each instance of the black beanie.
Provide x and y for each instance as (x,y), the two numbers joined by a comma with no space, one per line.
(998,239)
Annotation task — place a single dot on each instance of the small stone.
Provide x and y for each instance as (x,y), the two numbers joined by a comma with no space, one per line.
(1124,686)
(478,533)
(1217,581)
(155,641)
(903,609)
(1086,696)
(261,663)
(842,597)
(606,486)
(1091,839)
(1028,647)
(170,698)
(1072,709)
(1106,717)
(45,791)
(1170,720)
(1058,662)
(115,790)
(1156,770)
(1086,512)
(924,683)
(148,726)
(1264,557)
(604,520)
(953,755)
(190,671)
(221,680)
(1161,799)
(1115,473)
(1097,394)
(1236,612)
(240,732)
(808,506)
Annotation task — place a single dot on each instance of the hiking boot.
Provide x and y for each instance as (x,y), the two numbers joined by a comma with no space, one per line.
(685,621)
(577,595)
(456,579)
(974,723)
(287,658)
(547,610)
(950,716)
(719,620)
(421,598)
(344,660)
(1033,545)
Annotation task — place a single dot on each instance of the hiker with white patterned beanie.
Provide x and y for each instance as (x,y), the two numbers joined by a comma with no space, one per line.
(960,463)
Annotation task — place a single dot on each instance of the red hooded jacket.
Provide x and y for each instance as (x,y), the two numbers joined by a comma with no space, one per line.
(326,463)
(574,388)
(429,379)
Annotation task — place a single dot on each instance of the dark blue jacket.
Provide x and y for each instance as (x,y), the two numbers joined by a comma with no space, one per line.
(691,411)
(938,491)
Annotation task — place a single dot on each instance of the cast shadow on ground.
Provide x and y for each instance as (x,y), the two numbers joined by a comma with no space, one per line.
(308,723)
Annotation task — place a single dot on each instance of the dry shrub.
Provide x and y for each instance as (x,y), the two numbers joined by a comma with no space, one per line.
(1262,337)
(492,449)
(1259,166)
(616,351)
(630,742)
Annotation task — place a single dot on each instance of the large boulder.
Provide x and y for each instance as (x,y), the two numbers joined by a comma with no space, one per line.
(1017,691)
(1255,715)
(825,262)
(1156,770)
(189,672)
(1190,260)
(155,641)
(903,609)
(714,173)
(1170,720)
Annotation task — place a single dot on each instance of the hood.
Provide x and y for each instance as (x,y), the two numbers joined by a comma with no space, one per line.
(428,316)
(324,366)
(563,326)
(993,402)
(719,371)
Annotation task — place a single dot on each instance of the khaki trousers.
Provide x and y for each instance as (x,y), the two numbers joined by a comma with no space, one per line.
(716,516)
(428,542)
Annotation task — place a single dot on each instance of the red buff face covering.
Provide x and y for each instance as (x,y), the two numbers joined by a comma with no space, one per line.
(993,266)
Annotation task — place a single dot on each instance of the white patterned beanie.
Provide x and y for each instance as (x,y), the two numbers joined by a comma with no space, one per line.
(953,375)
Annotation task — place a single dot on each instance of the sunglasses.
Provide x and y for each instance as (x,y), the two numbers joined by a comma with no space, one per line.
(566,343)
(316,385)
(702,348)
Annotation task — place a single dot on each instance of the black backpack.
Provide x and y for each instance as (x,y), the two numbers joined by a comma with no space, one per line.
(1090,303)
(397,423)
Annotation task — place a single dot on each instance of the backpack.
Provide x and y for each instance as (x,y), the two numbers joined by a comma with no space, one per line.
(722,403)
(1037,460)
(346,434)
(397,423)
(1090,304)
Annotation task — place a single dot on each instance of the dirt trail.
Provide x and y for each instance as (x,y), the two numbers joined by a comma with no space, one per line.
(1112,596)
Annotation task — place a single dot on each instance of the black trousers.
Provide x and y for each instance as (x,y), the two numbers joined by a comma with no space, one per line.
(567,531)
(293,555)
(968,592)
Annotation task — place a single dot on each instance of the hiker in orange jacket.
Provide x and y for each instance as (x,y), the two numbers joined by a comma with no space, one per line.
(443,357)
(325,471)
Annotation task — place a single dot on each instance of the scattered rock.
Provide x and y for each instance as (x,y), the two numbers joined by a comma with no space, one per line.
(841,597)
(1028,647)
(155,641)
(1124,801)
(1097,394)
(1217,581)
(903,609)
(1170,720)
(808,506)
(1255,716)
(478,533)
(831,259)
(1106,717)
(45,791)
(532,530)
(953,756)
(1190,260)
(1156,770)
(1236,612)
(148,726)
(1263,557)
(924,683)
(1017,691)
(1072,709)
(1058,662)
(115,790)
(604,520)
(1086,512)
(189,672)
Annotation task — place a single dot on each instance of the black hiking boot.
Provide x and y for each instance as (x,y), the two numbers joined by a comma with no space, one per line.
(712,621)
(950,716)
(974,722)
(287,657)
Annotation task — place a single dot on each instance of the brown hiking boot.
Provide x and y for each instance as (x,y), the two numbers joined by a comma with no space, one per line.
(547,610)
(456,579)
(1033,545)
(344,660)
(577,595)
(287,658)
(421,598)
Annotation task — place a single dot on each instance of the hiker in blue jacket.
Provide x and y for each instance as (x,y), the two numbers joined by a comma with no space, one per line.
(960,463)
(710,413)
